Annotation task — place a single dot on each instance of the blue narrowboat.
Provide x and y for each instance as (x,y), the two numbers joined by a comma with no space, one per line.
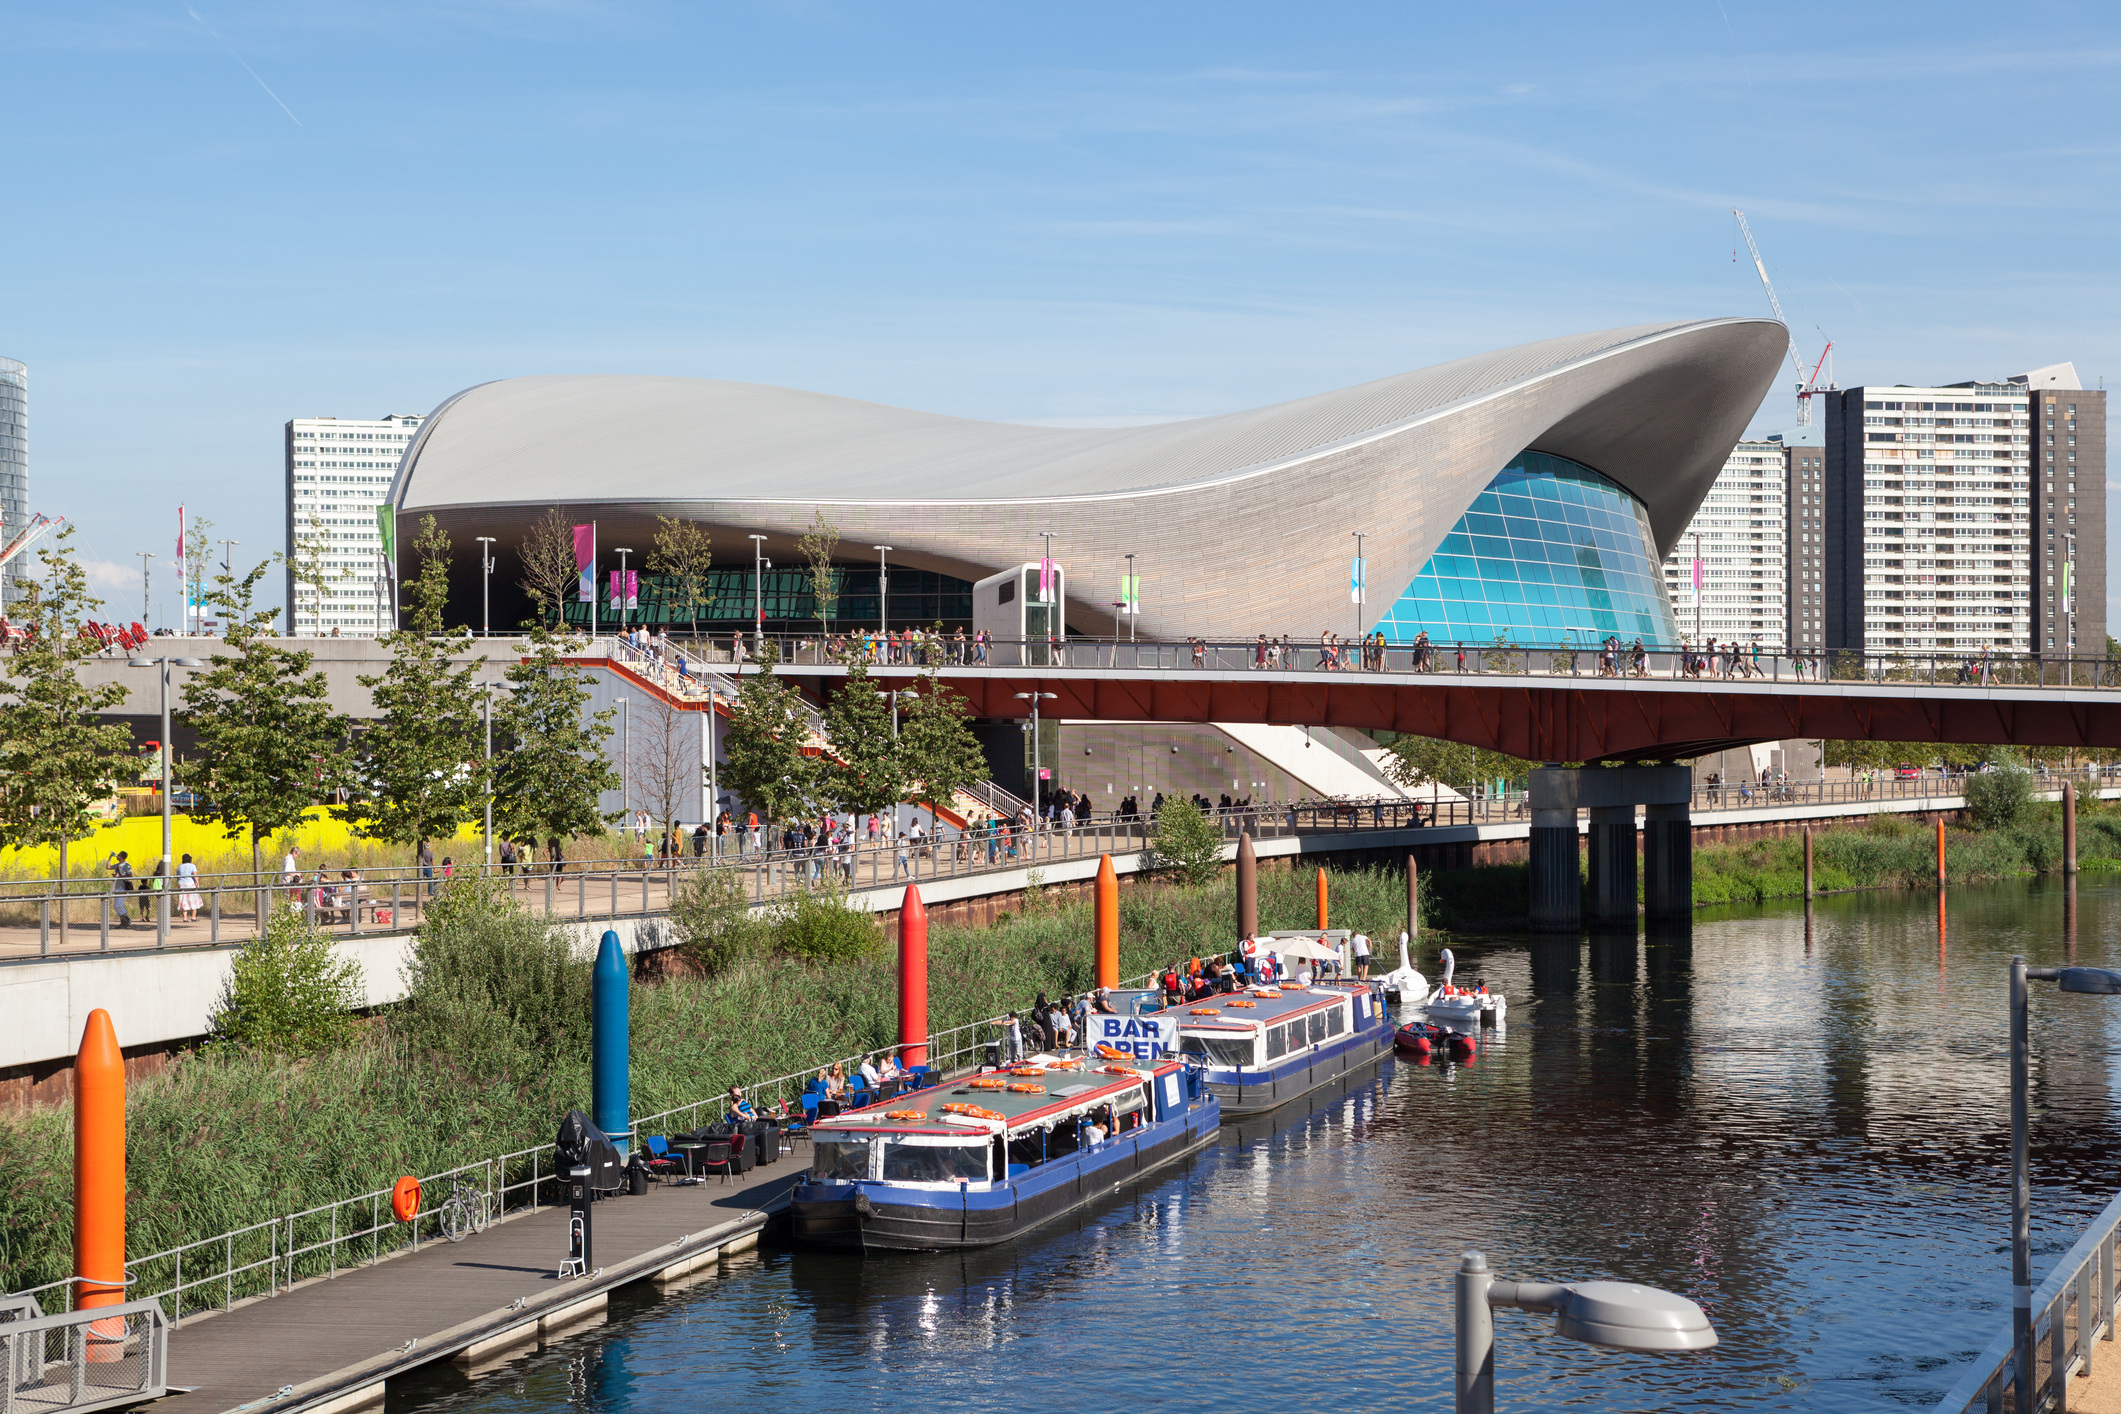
(1265,1046)
(981,1158)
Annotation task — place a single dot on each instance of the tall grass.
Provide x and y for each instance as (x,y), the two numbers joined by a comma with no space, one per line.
(492,1049)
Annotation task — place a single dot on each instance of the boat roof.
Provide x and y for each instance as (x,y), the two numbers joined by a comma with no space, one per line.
(1063,1090)
(1269,1005)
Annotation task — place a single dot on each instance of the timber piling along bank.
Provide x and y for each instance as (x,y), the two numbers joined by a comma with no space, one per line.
(337,1341)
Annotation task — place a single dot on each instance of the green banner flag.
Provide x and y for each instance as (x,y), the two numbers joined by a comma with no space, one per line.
(387,527)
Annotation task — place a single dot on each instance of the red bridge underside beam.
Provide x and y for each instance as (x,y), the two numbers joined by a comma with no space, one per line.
(1627,721)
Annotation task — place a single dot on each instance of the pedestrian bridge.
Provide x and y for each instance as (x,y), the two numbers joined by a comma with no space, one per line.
(1540,704)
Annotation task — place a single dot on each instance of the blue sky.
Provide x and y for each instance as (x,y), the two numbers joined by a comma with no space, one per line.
(225,215)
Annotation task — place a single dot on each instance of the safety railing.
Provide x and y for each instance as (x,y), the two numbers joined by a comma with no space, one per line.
(76,1361)
(1973,667)
(2073,1313)
(394,900)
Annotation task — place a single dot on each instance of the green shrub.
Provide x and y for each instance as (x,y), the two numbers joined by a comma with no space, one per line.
(287,993)
(1187,843)
(490,984)
(712,919)
(1999,800)
(818,927)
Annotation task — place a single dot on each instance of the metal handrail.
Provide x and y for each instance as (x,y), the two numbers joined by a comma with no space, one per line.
(2072,1308)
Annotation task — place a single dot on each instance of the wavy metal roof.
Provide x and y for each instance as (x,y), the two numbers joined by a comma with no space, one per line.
(568,438)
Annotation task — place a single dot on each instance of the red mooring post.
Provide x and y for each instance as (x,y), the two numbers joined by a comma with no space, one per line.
(912,979)
(99,1181)
(1940,851)
(1106,931)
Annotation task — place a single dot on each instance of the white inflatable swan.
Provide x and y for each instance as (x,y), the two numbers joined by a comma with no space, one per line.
(1413,988)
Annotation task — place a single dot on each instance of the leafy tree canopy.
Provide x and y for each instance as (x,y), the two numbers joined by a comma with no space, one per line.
(865,774)
(549,763)
(763,745)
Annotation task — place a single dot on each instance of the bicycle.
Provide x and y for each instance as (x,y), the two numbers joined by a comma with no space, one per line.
(464,1211)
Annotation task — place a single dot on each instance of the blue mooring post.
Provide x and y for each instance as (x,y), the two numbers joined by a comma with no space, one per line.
(607,1041)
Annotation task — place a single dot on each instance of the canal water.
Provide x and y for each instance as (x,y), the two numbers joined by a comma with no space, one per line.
(1804,1127)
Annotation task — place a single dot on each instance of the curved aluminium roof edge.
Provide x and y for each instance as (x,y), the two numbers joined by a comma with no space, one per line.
(606,439)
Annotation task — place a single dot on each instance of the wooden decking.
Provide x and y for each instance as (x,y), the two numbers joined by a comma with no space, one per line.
(336,1341)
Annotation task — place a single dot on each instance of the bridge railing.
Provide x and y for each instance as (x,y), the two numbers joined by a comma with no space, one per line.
(1972,668)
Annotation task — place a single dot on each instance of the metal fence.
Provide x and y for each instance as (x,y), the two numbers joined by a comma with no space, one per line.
(1972,668)
(394,900)
(2073,1313)
(81,1360)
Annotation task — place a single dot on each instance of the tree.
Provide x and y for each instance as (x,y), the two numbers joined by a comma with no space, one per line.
(685,553)
(1998,800)
(549,764)
(549,571)
(865,774)
(937,749)
(310,569)
(198,557)
(421,761)
(1186,842)
(817,546)
(666,770)
(56,759)
(1423,760)
(764,745)
(269,743)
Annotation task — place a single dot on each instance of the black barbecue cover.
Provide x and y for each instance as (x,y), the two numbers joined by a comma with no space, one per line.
(581,1142)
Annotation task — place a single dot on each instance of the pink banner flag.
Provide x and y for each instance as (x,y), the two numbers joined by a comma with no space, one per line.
(614,591)
(1697,574)
(633,589)
(585,559)
(1045,581)
(180,533)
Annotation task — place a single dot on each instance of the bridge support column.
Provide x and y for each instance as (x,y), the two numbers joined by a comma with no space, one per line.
(1613,864)
(1557,888)
(1668,862)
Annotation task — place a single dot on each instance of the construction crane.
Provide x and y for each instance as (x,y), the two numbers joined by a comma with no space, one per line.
(37,529)
(1806,386)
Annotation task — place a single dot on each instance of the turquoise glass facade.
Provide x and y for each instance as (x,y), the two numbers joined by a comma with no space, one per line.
(1550,553)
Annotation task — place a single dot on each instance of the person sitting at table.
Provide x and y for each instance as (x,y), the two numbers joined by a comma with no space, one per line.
(739,1106)
(835,1082)
(891,1070)
(871,1080)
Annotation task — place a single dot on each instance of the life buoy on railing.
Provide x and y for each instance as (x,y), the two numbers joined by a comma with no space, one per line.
(405,1199)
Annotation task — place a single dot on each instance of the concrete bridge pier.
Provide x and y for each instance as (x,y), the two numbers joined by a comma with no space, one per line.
(1668,861)
(1613,864)
(1611,794)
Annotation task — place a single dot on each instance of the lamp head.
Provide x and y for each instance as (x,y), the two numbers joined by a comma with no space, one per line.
(2099,981)
(1625,1316)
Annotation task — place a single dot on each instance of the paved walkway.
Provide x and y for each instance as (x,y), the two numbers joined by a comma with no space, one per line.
(337,1337)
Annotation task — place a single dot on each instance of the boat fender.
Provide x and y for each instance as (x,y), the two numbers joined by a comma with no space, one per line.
(405,1198)
(862,1204)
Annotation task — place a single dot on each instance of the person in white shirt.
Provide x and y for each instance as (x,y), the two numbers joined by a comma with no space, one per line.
(1013,1039)
(1359,945)
(869,1074)
(1057,1023)
(1093,1134)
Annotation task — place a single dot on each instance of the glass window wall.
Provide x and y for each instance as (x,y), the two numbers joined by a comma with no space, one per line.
(1550,553)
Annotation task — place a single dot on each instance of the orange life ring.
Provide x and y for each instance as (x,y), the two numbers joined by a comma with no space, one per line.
(972,1112)
(1117,1070)
(1026,1088)
(1266,992)
(1203,1011)
(405,1199)
(987,1085)
(904,1114)
(1064,1065)
(1239,1002)
(1028,1070)
(1106,1052)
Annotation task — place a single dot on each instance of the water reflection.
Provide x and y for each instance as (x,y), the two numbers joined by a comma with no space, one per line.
(1798,1118)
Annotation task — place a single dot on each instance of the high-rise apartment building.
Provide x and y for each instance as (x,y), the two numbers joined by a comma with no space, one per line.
(2069,511)
(1740,535)
(1804,462)
(14,463)
(1930,544)
(338,472)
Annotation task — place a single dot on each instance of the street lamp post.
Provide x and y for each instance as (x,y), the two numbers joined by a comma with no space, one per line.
(485,589)
(2090,981)
(1358,584)
(758,592)
(1036,764)
(1133,597)
(486,705)
(625,755)
(883,587)
(169,873)
(896,694)
(1617,1314)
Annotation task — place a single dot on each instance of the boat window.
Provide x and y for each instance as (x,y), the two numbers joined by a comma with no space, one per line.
(1318,1026)
(1336,1021)
(1027,1150)
(835,1160)
(1277,1041)
(1218,1050)
(911,1161)
(1131,1100)
(1064,1138)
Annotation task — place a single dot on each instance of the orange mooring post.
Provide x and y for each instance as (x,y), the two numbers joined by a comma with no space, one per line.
(99,1172)
(913,979)
(1107,929)
(1247,888)
(1322,925)
(1940,851)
